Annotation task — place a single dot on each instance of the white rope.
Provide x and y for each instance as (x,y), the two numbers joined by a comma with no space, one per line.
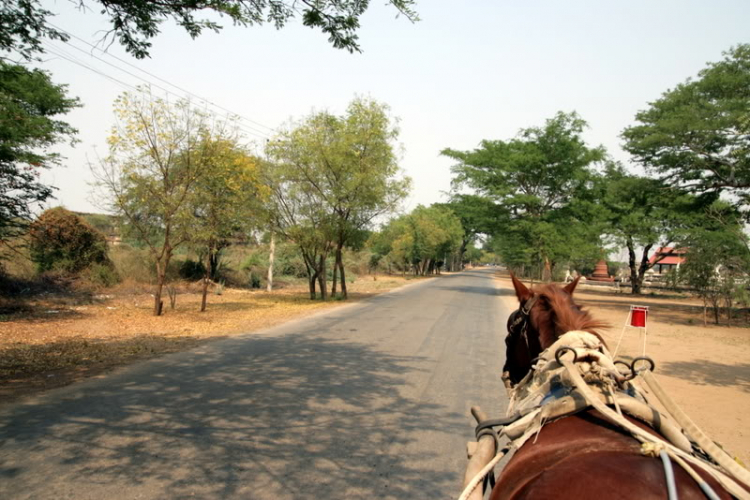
(614,355)
(727,482)
(480,475)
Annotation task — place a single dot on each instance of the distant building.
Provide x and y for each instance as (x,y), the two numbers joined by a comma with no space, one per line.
(672,259)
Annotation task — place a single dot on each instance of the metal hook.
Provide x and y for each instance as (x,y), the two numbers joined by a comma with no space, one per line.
(647,359)
(562,350)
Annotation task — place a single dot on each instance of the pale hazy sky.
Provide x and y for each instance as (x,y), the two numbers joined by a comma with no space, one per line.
(468,71)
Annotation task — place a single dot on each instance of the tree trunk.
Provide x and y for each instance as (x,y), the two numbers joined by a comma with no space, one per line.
(311,278)
(322,278)
(460,263)
(635,280)
(717,311)
(213,264)
(271,256)
(206,279)
(644,266)
(161,278)
(547,271)
(340,264)
(334,279)
(705,313)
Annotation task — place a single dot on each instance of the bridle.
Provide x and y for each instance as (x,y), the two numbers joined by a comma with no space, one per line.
(518,325)
(521,318)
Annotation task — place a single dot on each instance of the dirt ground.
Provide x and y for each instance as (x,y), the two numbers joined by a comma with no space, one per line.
(53,340)
(705,369)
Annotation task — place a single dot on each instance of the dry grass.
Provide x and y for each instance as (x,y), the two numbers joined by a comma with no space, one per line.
(53,340)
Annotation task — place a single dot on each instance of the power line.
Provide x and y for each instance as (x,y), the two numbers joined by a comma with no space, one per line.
(60,52)
(270,129)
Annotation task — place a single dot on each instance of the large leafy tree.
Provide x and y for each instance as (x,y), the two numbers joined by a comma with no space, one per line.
(422,240)
(23,23)
(642,214)
(301,216)
(349,166)
(29,108)
(534,178)
(158,152)
(478,215)
(697,135)
(718,259)
(225,201)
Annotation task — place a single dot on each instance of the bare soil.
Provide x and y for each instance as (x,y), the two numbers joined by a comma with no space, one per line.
(705,369)
(51,340)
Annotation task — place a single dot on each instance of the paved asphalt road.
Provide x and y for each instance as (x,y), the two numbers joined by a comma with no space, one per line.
(366,401)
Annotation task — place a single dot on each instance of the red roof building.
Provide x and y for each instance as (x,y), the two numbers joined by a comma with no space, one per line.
(670,258)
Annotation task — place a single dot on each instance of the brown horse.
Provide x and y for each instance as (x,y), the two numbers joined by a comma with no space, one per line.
(581,456)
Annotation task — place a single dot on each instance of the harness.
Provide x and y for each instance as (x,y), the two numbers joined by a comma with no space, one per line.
(577,373)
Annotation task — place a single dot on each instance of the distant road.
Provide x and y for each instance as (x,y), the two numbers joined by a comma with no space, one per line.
(365,401)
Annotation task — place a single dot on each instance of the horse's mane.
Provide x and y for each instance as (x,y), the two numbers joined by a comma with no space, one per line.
(558,314)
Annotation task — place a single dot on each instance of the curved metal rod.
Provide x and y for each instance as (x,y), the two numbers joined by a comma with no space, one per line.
(562,350)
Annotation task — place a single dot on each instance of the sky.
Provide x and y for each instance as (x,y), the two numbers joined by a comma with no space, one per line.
(467,71)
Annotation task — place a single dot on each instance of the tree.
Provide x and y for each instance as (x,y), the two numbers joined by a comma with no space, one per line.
(60,240)
(533,178)
(23,23)
(224,201)
(421,241)
(348,164)
(718,259)
(697,135)
(158,151)
(643,213)
(478,215)
(28,128)
(299,214)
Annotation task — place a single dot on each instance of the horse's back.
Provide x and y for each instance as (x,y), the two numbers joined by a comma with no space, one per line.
(584,457)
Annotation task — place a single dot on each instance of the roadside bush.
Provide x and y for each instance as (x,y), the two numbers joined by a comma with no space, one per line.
(253,267)
(192,270)
(60,240)
(102,275)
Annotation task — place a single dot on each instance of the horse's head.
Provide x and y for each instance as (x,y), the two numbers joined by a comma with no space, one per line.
(543,315)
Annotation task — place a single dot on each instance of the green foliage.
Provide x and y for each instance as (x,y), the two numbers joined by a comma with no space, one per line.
(718,259)
(32,100)
(697,135)
(643,213)
(472,254)
(134,24)
(103,275)
(420,240)
(106,224)
(158,152)
(60,240)
(537,191)
(225,200)
(192,270)
(332,176)
(23,25)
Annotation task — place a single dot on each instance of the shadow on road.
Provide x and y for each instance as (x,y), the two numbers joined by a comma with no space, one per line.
(284,417)
(704,372)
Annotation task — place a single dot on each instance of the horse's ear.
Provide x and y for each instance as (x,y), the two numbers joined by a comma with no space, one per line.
(522,292)
(570,287)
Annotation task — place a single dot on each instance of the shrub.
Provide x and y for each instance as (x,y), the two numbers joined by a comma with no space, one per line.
(102,275)
(60,240)
(192,270)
